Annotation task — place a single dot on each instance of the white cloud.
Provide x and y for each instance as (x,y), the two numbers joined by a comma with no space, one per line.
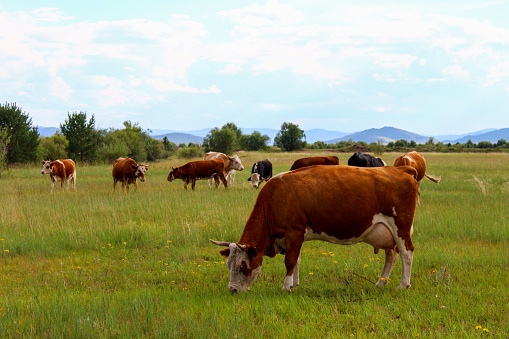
(456,71)
(232,69)
(271,13)
(60,89)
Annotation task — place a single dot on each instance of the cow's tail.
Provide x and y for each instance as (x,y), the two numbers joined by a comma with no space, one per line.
(432,178)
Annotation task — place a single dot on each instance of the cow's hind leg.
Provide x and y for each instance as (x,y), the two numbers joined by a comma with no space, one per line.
(390,259)
(223,179)
(406,251)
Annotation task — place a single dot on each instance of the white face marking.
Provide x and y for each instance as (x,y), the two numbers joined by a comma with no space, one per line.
(140,172)
(407,157)
(255,179)
(238,263)
(237,165)
(46,167)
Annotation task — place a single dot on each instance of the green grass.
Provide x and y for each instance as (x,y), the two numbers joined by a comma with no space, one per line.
(98,263)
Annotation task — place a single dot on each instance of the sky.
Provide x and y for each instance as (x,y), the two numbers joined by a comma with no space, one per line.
(429,67)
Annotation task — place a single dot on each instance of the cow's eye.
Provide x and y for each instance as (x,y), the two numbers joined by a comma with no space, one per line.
(243,266)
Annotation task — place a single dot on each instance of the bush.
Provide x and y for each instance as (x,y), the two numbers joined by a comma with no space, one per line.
(189,152)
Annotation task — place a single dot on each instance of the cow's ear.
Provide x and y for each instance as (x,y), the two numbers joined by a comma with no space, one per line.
(134,166)
(43,162)
(251,252)
(51,165)
(225,252)
(249,179)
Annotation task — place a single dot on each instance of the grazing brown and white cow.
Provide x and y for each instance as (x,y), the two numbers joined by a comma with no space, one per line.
(200,169)
(127,171)
(305,162)
(62,169)
(416,160)
(338,204)
(231,164)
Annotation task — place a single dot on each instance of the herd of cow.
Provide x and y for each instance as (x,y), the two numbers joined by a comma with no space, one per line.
(365,201)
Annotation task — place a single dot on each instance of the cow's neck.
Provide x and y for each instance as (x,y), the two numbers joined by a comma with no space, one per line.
(258,233)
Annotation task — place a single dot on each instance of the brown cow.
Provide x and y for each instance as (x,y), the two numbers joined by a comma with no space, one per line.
(62,169)
(416,160)
(338,204)
(200,169)
(305,162)
(231,164)
(127,171)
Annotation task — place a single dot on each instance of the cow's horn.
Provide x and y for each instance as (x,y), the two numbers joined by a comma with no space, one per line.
(220,243)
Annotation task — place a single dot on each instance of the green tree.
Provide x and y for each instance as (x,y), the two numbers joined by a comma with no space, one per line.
(23,137)
(485,144)
(377,147)
(412,144)
(81,136)
(4,144)
(470,144)
(222,140)
(401,143)
(290,137)
(254,141)
(54,147)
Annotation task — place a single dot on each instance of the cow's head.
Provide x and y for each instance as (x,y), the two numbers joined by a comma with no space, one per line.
(140,170)
(244,263)
(255,179)
(47,167)
(173,174)
(236,163)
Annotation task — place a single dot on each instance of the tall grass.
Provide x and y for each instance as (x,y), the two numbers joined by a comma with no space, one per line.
(99,263)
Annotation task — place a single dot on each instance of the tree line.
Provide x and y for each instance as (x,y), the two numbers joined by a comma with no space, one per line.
(78,139)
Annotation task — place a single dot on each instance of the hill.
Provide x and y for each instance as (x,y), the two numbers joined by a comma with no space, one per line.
(179,138)
(492,136)
(386,134)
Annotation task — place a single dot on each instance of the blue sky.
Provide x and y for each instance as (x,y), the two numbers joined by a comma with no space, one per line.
(430,67)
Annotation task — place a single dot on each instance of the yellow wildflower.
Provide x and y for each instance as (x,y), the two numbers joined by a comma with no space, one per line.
(365,265)
(478,327)
(7,251)
(485,330)
(310,273)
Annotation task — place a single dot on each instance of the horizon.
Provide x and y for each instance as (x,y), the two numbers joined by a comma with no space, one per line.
(432,69)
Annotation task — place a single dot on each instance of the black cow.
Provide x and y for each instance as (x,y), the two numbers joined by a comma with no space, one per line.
(262,170)
(360,159)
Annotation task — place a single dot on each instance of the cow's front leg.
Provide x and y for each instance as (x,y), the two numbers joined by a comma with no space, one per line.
(292,260)
(193,183)
(390,259)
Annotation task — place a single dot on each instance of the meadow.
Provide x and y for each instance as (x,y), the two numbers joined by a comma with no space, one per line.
(98,263)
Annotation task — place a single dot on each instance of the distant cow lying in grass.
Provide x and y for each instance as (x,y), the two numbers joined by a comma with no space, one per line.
(200,169)
(127,171)
(62,169)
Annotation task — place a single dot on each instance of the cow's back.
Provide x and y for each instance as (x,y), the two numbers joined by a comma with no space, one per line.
(310,161)
(327,197)
(122,168)
(413,159)
(69,167)
(203,168)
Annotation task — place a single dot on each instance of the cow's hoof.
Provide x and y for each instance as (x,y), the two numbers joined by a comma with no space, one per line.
(403,287)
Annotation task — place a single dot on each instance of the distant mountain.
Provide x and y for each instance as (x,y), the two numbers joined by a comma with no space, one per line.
(451,137)
(492,136)
(47,131)
(386,134)
(318,134)
(179,138)
(198,132)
